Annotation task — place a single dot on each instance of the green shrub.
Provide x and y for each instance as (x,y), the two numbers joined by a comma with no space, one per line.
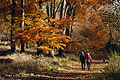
(112,70)
(114,64)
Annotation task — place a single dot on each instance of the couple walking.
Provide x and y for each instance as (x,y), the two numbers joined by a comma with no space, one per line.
(84,57)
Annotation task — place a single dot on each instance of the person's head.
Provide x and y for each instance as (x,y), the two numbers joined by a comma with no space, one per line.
(82,52)
(88,53)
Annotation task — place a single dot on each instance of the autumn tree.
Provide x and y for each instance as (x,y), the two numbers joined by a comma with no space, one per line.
(7,9)
(12,24)
(75,9)
(37,29)
(92,34)
(111,18)
(60,7)
(22,22)
(38,26)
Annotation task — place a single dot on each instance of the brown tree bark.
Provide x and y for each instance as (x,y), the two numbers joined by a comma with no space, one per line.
(22,24)
(12,24)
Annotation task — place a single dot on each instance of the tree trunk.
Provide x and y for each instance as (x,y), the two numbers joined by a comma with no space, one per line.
(39,43)
(12,24)
(40,4)
(47,7)
(22,23)
(54,15)
(51,9)
(39,51)
(71,30)
(61,11)
(69,10)
(26,45)
(67,32)
(61,52)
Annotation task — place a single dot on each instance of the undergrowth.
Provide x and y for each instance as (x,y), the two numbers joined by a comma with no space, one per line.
(112,70)
(26,63)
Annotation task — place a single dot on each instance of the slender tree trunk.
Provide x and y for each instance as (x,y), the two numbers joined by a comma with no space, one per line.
(51,9)
(54,15)
(70,12)
(49,13)
(39,43)
(67,32)
(71,29)
(61,52)
(40,4)
(61,11)
(47,8)
(39,51)
(26,45)
(22,23)
(12,24)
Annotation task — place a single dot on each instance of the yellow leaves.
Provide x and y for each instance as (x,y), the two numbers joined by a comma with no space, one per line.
(47,47)
(28,22)
(37,37)
(38,29)
(44,48)
(59,45)
(63,45)
(58,0)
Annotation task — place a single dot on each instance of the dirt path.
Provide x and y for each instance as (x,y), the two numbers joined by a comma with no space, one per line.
(71,73)
(76,73)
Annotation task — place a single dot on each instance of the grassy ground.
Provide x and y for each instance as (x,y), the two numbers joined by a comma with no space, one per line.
(28,67)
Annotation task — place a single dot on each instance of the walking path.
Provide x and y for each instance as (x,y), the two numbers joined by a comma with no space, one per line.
(71,73)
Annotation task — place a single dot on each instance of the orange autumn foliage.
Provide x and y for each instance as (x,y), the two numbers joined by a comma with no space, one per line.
(95,32)
(36,27)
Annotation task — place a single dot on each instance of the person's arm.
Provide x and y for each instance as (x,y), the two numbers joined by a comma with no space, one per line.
(90,59)
(86,57)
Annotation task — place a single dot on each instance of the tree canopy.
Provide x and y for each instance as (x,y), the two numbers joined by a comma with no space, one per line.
(50,23)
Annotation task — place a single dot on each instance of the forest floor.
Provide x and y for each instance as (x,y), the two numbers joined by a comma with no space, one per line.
(74,72)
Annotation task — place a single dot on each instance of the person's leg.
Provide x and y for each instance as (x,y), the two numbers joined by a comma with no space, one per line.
(82,65)
(88,64)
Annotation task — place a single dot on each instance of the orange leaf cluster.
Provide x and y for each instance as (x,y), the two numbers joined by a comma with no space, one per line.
(38,29)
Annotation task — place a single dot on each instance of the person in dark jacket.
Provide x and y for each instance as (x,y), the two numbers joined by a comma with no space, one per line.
(89,61)
(82,59)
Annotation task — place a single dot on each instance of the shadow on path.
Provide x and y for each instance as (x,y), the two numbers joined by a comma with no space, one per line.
(5,52)
(6,60)
(58,76)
